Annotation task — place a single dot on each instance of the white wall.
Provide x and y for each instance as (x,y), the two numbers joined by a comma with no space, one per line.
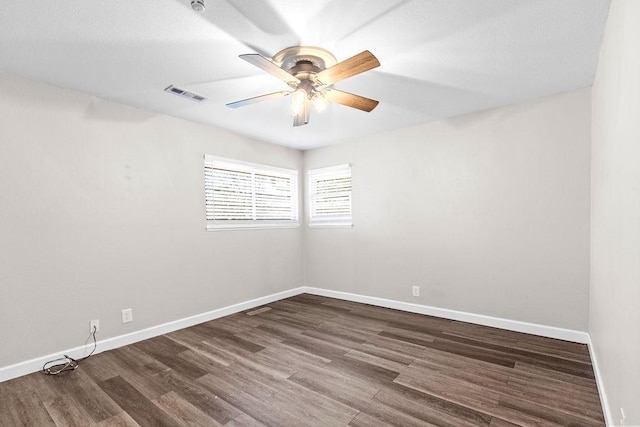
(614,321)
(102,208)
(488,213)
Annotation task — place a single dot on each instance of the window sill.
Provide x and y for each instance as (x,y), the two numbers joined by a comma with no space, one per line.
(223,227)
(330,225)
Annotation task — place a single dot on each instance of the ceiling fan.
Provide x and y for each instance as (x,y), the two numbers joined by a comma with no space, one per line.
(311,72)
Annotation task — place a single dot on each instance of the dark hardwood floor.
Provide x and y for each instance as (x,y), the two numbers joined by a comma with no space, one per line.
(318,361)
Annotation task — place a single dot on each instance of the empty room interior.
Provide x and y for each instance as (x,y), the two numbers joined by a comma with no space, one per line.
(287,213)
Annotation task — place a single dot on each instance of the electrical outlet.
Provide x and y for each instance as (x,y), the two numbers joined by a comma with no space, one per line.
(127,315)
(95,323)
(416,291)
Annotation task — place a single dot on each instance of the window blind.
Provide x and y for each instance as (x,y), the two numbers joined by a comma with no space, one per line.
(246,195)
(330,196)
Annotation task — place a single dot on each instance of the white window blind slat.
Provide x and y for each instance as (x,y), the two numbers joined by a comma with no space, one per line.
(330,196)
(244,194)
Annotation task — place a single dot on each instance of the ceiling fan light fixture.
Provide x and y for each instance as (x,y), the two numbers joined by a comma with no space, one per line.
(319,102)
(299,98)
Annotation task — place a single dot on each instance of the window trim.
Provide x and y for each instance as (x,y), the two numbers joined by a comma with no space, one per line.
(313,174)
(211,161)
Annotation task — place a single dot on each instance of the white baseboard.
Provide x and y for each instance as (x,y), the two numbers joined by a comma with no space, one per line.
(34,365)
(479,319)
(608,418)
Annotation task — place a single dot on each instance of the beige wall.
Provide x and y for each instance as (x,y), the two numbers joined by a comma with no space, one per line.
(488,213)
(614,321)
(101,208)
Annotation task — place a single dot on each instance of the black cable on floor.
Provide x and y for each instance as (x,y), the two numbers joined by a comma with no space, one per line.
(68,363)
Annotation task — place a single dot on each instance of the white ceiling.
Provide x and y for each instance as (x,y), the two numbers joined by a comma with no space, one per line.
(440,58)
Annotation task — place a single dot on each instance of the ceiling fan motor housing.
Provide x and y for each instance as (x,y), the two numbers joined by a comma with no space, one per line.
(305,56)
(304,69)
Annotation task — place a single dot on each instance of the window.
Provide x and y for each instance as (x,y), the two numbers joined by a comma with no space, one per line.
(330,196)
(248,195)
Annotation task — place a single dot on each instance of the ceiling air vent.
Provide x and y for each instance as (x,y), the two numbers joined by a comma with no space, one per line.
(185,94)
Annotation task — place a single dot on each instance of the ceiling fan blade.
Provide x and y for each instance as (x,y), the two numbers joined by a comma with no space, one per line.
(263,16)
(349,99)
(302,118)
(271,68)
(364,61)
(260,98)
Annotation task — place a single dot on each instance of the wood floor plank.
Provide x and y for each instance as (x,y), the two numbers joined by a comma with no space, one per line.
(19,408)
(556,389)
(244,420)
(452,389)
(375,360)
(474,352)
(258,310)
(557,414)
(586,385)
(65,411)
(45,387)
(102,366)
(202,348)
(328,336)
(145,383)
(297,360)
(372,349)
(287,318)
(371,373)
(471,396)
(433,359)
(234,343)
(189,337)
(355,335)
(201,360)
(430,408)
(310,360)
(258,384)
(556,364)
(219,409)
(141,378)
(315,408)
(403,347)
(582,357)
(548,397)
(411,334)
(259,338)
(358,325)
(378,414)
(409,339)
(135,403)
(351,391)
(523,378)
(232,324)
(484,333)
(90,397)
(316,347)
(263,364)
(183,412)
(161,345)
(365,420)
(259,410)
(120,420)
(497,422)
(224,352)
